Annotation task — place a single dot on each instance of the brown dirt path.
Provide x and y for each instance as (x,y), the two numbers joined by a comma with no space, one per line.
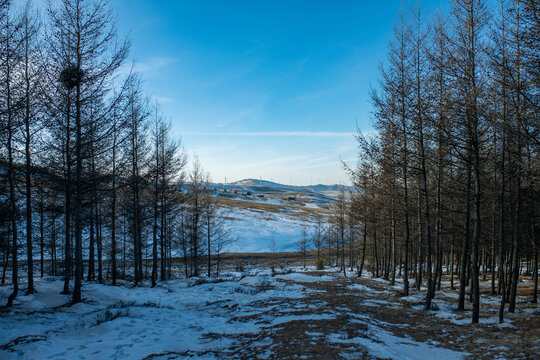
(354,311)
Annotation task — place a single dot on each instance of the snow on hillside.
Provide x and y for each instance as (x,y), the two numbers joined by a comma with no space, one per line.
(254,231)
(320,192)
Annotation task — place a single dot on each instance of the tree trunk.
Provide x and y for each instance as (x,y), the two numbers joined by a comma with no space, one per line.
(465,243)
(78,199)
(41,229)
(28,174)
(68,185)
(113,209)
(363,250)
(91,251)
(99,240)
(11,181)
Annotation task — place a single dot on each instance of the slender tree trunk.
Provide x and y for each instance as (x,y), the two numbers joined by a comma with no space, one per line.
(113,208)
(518,159)
(535,277)
(155,200)
(11,181)
(68,186)
(465,243)
(420,255)
(78,173)
(208,238)
(135,196)
(364,245)
(516,243)
(493,237)
(53,245)
(406,203)
(342,236)
(154,233)
(28,173)
(375,255)
(501,283)
(452,267)
(218,262)
(476,233)
(162,240)
(99,242)
(350,248)
(41,230)
(440,157)
(5,262)
(184,249)
(124,240)
(91,250)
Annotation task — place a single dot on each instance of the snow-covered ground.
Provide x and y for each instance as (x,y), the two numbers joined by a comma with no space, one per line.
(235,316)
(255,221)
(254,231)
(122,322)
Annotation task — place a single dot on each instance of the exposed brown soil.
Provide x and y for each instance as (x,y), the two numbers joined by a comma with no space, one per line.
(353,313)
(299,207)
(389,311)
(350,313)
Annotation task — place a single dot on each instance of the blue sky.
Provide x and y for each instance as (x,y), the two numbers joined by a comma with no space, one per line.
(262,89)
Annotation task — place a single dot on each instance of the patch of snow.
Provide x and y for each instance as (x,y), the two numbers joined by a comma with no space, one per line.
(299,277)
(122,322)
(358,287)
(383,344)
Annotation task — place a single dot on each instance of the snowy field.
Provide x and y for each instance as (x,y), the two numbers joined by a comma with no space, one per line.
(240,315)
(253,228)
(254,231)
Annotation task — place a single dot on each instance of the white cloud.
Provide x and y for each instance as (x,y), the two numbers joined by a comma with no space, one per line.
(143,67)
(163,100)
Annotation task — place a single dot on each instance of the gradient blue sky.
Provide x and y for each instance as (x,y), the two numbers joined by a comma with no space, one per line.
(271,89)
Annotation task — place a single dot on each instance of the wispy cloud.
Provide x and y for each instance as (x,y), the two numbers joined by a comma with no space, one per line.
(143,67)
(275,134)
(153,64)
(162,99)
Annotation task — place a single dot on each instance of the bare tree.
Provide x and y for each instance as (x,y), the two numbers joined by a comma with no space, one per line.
(30,71)
(195,214)
(339,219)
(9,58)
(303,243)
(210,220)
(87,32)
(136,153)
(222,238)
(317,239)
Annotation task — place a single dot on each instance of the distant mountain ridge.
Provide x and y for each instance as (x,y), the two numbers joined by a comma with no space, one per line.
(271,184)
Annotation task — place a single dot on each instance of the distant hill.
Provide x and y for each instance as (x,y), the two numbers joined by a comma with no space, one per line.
(318,192)
(258,211)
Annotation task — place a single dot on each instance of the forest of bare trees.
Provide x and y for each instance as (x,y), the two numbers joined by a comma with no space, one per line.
(92,179)
(116,243)
(94,184)
(450,183)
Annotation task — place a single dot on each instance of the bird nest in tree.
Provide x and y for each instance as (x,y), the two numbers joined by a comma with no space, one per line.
(71,76)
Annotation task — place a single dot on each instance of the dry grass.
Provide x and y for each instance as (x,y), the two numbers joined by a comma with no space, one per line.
(308,338)
(298,208)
